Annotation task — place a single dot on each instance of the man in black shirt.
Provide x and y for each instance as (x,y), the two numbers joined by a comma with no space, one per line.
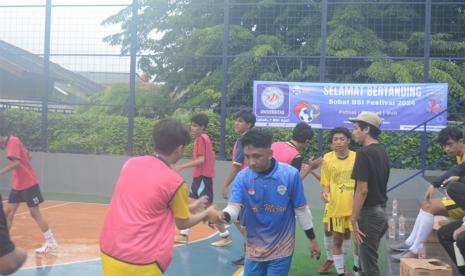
(371,173)
(11,258)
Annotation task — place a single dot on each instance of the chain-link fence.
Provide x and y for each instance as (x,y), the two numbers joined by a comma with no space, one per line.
(115,66)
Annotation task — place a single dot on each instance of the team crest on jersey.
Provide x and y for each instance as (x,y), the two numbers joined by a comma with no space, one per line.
(281,189)
(251,191)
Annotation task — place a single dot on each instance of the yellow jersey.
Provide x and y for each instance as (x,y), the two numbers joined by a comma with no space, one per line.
(460,159)
(335,174)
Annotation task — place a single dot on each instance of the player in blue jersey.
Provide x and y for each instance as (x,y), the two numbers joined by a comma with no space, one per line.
(272,196)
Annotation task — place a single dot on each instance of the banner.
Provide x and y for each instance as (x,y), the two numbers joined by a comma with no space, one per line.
(329,105)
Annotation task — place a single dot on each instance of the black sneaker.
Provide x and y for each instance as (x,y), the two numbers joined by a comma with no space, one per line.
(239,261)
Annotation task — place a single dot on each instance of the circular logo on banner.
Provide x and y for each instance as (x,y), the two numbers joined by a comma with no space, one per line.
(306,112)
(272,97)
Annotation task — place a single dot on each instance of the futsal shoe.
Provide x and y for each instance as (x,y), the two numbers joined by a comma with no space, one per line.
(406,254)
(326,266)
(47,247)
(401,247)
(239,261)
(221,242)
(181,239)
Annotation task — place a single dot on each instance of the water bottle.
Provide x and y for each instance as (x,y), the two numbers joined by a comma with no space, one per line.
(401,226)
(394,208)
(392,228)
(421,251)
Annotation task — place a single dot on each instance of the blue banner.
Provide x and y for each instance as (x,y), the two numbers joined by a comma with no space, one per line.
(329,105)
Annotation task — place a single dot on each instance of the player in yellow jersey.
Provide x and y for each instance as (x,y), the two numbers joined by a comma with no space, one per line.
(338,192)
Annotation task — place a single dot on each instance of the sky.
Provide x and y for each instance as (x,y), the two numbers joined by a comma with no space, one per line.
(76,32)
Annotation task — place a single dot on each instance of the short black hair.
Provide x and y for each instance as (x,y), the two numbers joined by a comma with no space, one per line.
(302,132)
(343,130)
(245,115)
(200,119)
(449,133)
(168,134)
(257,138)
(374,131)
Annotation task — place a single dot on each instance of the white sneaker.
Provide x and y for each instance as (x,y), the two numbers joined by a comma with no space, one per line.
(47,247)
(221,242)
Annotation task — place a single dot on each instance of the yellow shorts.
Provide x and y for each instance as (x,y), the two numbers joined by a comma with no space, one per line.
(325,215)
(453,210)
(339,224)
(114,267)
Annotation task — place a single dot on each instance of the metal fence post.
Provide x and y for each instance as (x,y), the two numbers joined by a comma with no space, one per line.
(424,143)
(132,77)
(46,77)
(427,40)
(224,80)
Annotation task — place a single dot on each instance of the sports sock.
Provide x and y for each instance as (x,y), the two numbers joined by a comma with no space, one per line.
(424,229)
(224,234)
(339,263)
(328,242)
(411,238)
(184,232)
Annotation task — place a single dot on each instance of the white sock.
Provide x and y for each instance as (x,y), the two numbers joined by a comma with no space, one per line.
(424,229)
(184,232)
(346,247)
(411,238)
(328,241)
(48,236)
(339,263)
(356,261)
(357,265)
(224,234)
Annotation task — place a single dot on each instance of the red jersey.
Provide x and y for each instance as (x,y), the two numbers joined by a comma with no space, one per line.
(203,147)
(23,176)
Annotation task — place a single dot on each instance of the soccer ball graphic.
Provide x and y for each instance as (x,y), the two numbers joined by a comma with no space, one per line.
(306,112)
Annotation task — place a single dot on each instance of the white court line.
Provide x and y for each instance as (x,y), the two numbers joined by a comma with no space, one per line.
(68,263)
(45,208)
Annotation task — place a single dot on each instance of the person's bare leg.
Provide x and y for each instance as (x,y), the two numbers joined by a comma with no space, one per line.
(10,212)
(12,261)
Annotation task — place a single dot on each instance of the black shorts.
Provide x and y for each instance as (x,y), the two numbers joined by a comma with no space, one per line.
(32,196)
(6,245)
(202,185)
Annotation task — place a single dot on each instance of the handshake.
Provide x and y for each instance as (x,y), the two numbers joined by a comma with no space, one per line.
(211,214)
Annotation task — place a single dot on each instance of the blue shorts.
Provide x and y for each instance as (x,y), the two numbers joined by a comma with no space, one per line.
(278,267)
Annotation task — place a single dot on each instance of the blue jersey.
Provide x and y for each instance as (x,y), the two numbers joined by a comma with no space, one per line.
(269,202)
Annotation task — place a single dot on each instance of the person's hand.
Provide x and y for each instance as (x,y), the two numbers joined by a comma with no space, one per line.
(214,216)
(325,196)
(225,192)
(449,180)
(314,164)
(429,193)
(177,168)
(458,231)
(358,235)
(199,203)
(315,251)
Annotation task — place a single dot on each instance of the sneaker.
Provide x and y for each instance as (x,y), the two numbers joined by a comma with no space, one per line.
(182,239)
(47,247)
(239,261)
(222,242)
(406,254)
(400,247)
(326,266)
(356,270)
